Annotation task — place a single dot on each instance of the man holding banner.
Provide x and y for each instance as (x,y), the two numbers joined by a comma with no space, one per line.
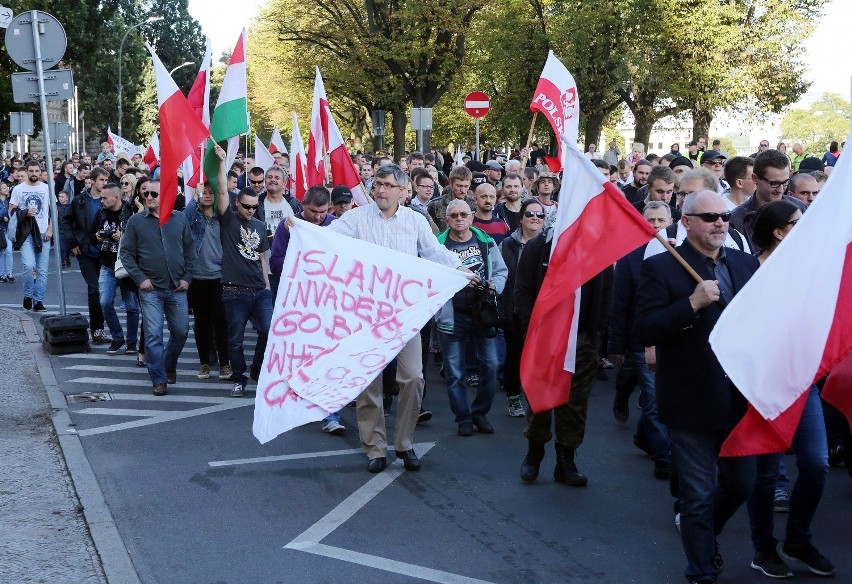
(396,227)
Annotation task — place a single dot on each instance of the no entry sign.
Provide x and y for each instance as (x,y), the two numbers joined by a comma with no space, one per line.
(477,104)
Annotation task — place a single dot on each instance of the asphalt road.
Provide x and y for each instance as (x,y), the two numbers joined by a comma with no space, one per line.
(196,499)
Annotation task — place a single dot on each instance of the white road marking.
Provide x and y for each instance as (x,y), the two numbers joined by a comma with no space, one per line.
(135,370)
(168,417)
(301,455)
(124,412)
(142,382)
(197,399)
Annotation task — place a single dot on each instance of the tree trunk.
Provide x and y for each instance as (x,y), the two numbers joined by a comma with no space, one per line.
(593,131)
(701,123)
(399,119)
(644,125)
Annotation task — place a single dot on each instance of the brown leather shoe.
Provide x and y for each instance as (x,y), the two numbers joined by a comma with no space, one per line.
(160,389)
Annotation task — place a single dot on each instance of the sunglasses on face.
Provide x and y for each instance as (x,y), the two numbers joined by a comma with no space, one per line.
(712,217)
(531,214)
(461,214)
(256,182)
(151,194)
(125,184)
(249,207)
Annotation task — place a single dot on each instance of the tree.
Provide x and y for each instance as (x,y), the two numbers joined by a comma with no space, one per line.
(817,125)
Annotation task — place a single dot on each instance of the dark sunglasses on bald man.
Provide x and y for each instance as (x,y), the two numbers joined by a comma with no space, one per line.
(249,207)
(712,217)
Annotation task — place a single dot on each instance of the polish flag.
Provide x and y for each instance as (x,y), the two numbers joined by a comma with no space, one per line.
(595,226)
(343,171)
(557,99)
(199,99)
(276,144)
(792,323)
(262,157)
(459,160)
(298,162)
(152,154)
(318,140)
(182,131)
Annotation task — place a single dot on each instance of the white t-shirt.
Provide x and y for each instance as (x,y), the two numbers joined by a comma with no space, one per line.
(275,212)
(26,196)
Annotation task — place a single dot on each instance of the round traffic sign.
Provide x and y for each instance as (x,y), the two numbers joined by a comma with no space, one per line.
(477,104)
(20,44)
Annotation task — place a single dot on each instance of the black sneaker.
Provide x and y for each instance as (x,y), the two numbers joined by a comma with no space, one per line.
(807,554)
(99,338)
(39,307)
(238,390)
(771,564)
(483,426)
(115,347)
(131,349)
(424,416)
(28,303)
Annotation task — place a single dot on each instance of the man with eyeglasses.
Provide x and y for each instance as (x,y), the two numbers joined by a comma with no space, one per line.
(714,161)
(771,176)
(390,225)
(256,180)
(459,329)
(697,402)
(246,292)
(761,148)
(804,187)
(161,261)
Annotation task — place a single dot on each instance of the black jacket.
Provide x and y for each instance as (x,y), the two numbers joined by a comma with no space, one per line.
(693,392)
(621,336)
(78,225)
(26,226)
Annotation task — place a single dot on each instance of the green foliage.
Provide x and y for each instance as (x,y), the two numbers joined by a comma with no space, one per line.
(817,125)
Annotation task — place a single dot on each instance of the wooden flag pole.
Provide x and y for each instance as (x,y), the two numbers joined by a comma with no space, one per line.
(529,139)
(679,258)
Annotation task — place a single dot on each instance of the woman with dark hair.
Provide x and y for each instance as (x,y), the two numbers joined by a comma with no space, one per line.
(830,157)
(772,224)
(531,224)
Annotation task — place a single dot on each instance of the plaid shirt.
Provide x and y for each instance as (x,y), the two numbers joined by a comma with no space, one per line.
(406,231)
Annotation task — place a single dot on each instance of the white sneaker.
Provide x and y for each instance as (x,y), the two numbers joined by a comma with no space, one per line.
(334,427)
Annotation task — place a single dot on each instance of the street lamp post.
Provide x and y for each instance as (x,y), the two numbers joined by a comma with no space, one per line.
(120,48)
(181,66)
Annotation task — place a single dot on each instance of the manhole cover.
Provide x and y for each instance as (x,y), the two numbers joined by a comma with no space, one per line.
(87,397)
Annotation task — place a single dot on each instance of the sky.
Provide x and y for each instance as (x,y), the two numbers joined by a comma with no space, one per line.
(828,66)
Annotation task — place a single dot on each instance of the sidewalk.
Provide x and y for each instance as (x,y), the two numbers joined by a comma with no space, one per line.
(43,534)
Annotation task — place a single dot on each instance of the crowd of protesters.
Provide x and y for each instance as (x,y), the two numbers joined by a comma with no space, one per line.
(220,255)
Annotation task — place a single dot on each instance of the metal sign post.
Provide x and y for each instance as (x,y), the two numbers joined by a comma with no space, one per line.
(477,104)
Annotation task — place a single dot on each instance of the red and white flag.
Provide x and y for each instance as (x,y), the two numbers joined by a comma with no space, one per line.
(262,157)
(343,171)
(152,154)
(298,162)
(792,323)
(118,144)
(182,131)
(276,144)
(318,138)
(556,97)
(595,226)
(199,99)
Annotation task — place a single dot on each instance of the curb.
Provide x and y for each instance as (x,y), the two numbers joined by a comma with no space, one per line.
(115,560)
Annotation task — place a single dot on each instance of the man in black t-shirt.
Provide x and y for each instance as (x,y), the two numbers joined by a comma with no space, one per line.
(245,280)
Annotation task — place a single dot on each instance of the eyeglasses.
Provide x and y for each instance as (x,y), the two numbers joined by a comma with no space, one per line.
(461,214)
(384,185)
(711,217)
(249,207)
(764,145)
(426,186)
(716,162)
(256,182)
(151,194)
(531,214)
(775,183)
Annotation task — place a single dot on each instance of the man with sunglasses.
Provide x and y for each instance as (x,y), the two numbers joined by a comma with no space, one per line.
(697,402)
(771,176)
(245,277)
(161,261)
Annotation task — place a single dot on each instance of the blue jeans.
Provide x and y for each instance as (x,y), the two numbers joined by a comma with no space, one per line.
(241,307)
(711,490)
(107,285)
(650,427)
(454,346)
(38,261)
(811,448)
(159,305)
(6,260)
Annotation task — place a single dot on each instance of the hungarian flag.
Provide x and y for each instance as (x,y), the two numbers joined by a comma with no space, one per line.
(556,97)
(152,154)
(792,323)
(230,116)
(199,99)
(318,139)
(276,144)
(181,131)
(595,226)
(298,162)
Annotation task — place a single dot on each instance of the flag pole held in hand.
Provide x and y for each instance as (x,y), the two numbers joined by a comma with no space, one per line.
(679,258)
